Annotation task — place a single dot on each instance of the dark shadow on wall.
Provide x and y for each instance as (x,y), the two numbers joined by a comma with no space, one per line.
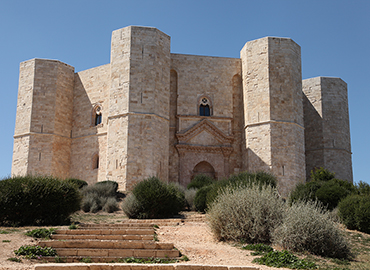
(314,137)
(86,159)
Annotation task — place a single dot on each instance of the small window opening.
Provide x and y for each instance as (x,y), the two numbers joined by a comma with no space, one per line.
(204,108)
(98,116)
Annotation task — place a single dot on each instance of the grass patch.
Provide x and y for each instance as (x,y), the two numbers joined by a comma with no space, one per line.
(13,259)
(284,259)
(4,232)
(6,241)
(86,260)
(35,252)
(41,233)
(259,249)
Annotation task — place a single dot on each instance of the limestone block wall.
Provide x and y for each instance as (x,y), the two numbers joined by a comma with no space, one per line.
(327,133)
(274,112)
(47,109)
(139,99)
(89,141)
(23,119)
(200,76)
(213,78)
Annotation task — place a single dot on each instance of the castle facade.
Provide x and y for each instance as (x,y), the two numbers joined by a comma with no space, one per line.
(150,112)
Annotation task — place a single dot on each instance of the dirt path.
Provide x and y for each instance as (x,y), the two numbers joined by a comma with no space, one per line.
(193,239)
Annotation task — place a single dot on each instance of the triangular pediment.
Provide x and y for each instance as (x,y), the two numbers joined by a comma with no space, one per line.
(204,133)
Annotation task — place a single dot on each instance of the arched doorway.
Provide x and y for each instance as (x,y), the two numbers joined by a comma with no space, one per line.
(204,168)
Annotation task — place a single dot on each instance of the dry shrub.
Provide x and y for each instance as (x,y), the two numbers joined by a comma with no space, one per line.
(189,198)
(131,206)
(248,214)
(101,196)
(307,226)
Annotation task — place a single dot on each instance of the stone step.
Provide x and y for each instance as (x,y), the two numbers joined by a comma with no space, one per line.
(107,232)
(135,266)
(116,225)
(106,244)
(101,237)
(118,253)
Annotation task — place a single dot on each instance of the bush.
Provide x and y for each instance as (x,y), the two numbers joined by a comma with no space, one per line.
(189,198)
(248,214)
(323,187)
(131,206)
(101,196)
(77,182)
(243,179)
(354,212)
(321,174)
(200,180)
(308,227)
(200,199)
(37,200)
(158,199)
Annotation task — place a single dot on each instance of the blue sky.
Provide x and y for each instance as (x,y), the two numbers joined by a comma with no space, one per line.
(334,37)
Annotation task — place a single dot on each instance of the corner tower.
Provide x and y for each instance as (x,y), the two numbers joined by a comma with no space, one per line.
(42,143)
(272,90)
(138,121)
(327,132)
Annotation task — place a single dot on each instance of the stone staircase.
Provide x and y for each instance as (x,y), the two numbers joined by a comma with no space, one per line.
(108,243)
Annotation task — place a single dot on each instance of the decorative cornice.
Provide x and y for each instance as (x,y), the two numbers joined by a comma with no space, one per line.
(184,137)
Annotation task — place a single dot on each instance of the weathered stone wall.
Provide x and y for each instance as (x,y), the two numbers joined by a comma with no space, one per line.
(50,83)
(274,112)
(327,133)
(140,95)
(89,141)
(217,79)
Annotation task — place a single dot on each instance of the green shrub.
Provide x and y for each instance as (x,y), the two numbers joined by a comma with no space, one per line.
(323,187)
(243,179)
(77,182)
(363,188)
(37,200)
(321,174)
(158,199)
(259,249)
(41,233)
(200,180)
(284,259)
(189,198)
(131,206)
(331,192)
(246,214)
(200,199)
(101,196)
(354,212)
(307,226)
(35,252)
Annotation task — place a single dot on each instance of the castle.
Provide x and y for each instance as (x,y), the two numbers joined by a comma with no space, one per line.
(150,112)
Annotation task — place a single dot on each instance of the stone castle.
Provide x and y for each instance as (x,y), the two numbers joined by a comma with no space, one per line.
(150,112)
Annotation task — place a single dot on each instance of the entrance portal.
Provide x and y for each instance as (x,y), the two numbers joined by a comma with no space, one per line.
(204,168)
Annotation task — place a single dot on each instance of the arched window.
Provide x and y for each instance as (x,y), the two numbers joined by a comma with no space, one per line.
(98,117)
(204,107)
